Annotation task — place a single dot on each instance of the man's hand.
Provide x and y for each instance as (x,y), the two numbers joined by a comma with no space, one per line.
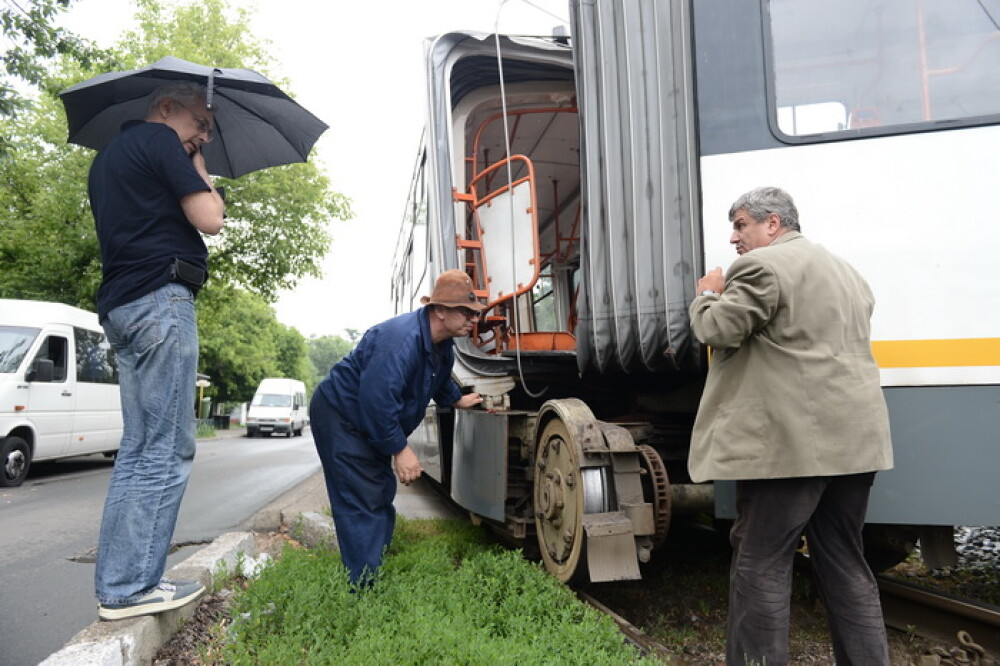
(407,466)
(713,281)
(468,400)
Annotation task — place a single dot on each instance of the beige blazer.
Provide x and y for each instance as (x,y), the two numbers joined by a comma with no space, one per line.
(792,387)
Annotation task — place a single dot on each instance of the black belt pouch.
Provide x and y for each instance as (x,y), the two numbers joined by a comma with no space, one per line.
(187,273)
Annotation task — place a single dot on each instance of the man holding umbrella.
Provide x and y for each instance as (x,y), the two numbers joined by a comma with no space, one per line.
(152,198)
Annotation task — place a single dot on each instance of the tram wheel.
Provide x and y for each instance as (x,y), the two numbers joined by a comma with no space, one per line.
(564,491)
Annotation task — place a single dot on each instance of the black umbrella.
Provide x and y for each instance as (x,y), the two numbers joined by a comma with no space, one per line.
(257,125)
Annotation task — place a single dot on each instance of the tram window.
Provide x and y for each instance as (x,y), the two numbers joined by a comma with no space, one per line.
(812,118)
(543,302)
(859,64)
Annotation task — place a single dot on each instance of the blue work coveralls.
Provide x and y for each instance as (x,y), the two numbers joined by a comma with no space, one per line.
(361,414)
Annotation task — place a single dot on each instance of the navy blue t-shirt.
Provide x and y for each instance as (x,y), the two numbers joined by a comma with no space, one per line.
(136,185)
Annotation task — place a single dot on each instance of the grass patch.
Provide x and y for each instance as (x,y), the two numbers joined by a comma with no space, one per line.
(204,430)
(445,595)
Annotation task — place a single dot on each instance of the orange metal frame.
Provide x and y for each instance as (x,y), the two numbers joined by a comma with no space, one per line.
(494,330)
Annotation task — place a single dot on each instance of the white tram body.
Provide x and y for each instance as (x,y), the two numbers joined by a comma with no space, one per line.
(584,183)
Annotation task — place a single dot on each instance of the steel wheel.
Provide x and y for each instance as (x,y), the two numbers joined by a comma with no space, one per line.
(564,492)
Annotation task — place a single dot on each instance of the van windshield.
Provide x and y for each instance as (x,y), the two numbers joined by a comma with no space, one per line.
(14,344)
(271,400)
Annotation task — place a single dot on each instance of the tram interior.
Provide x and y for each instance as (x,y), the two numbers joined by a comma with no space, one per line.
(521,242)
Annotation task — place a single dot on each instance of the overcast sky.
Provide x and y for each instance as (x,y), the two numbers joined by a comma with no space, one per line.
(359,67)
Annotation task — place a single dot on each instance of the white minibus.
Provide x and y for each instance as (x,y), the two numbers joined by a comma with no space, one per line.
(279,405)
(59,393)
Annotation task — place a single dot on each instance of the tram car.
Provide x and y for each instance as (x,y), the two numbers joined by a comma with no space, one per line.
(583,181)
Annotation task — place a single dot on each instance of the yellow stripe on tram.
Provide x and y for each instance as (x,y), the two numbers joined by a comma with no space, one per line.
(937,353)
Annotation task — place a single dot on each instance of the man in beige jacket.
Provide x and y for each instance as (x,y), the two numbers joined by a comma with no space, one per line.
(793,412)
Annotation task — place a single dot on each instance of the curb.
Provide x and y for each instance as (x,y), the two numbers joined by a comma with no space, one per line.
(137,640)
(315,530)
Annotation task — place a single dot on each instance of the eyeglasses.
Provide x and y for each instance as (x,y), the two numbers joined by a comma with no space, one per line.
(468,313)
(204,126)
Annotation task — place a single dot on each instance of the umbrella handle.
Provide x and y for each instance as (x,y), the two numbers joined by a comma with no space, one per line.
(211,88)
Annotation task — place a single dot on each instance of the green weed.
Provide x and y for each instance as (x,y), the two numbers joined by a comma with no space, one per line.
(205,430)
(444,595)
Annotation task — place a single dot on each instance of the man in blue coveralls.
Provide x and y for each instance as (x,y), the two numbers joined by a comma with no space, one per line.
(372,400)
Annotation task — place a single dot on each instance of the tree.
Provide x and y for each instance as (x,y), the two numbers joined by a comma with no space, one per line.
(325,351)
(48,247)
(241,343)
(32,41)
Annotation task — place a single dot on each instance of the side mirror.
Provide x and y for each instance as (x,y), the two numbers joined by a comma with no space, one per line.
(43,369)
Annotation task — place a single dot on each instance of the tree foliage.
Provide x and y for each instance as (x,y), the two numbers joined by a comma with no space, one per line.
(32,40)
(276,226)
(326,350)
(241,343)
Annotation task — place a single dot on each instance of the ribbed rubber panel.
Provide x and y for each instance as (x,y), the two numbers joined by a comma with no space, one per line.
(642,255)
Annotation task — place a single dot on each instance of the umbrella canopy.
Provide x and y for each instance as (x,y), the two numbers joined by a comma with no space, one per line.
(257,125)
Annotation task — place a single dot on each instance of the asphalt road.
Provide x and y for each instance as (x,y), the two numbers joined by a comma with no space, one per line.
(49,527)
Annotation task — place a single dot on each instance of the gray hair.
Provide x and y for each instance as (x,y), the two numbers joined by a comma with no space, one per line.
(763,201)
(187,93)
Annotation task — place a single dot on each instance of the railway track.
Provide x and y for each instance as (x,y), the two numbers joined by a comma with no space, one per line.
(971,627)
(962,631)
(632,633)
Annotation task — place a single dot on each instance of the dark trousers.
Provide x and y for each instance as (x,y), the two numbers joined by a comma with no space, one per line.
(361,487)
(771,516)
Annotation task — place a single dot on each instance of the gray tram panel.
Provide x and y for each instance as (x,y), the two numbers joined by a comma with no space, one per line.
(946,445)
(479,466)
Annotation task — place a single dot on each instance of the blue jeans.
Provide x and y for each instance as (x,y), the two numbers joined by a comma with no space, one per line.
(156,340)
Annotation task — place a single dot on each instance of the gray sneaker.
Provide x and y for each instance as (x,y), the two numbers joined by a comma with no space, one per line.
(165,596)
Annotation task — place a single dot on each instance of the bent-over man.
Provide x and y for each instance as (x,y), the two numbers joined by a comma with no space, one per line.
(362,413)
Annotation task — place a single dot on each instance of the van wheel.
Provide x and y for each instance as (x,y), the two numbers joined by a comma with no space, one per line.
(15,459)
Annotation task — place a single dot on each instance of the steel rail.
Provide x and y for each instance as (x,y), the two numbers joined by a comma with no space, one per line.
(632,633)
(939,616)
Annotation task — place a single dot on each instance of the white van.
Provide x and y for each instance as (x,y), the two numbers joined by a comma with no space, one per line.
(279,405)
(59,392)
